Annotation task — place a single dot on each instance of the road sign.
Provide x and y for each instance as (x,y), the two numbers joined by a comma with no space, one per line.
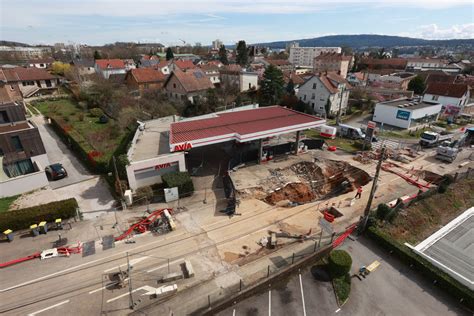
(325,225)
(371,124)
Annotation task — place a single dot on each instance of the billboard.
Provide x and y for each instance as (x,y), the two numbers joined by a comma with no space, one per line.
(403,115)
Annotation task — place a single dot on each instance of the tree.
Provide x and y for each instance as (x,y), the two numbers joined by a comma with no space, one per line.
(346,50)
(97,55)
(223,55)
(242,57)
(417,85)
(169,54)
(59,68)
(272,86)
(327,108)
(290,87)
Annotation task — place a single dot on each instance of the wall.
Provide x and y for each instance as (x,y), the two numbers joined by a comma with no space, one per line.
(154,175)
(246,79)
(304,56)
(447,100)
(387,114)
(41,161)
(23,184)
(321,95)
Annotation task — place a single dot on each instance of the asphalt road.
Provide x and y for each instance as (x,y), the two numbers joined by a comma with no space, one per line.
(58,152)
(392,289)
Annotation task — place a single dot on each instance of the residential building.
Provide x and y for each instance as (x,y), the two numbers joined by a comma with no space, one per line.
(190,57)
(217,63)
(357,79)
(332,62)
(27,52)
(304,56)
(282,64)
(189,85)
(10,93)
(22,153)
(439,77)
(425,64)
(407,113)
(149,61)
(448,94)
(42,63)
(129,64)
(384,63)
(325,93)
(182,65)
(107,67)
(216,44)
(235,75)
(30,81)
(142,79)
(397,80)
(84,67)
(212,72)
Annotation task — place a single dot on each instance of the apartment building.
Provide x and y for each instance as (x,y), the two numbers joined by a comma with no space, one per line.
(304,56)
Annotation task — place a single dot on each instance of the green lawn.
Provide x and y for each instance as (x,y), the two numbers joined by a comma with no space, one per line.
(84,128)
(6,202)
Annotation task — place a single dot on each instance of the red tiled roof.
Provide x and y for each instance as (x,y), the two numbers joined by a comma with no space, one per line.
(444,78)
(217,63)
(24,74)
(110,63)
(394,62)
(453,90)
(144,75)
(209,68)
(278,62)
(231,69)
(326,80)
(184,64)
(333,56)
(192,80)
(242,125)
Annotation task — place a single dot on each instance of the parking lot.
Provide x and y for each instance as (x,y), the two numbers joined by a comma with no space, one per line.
(392,289)
(58,153)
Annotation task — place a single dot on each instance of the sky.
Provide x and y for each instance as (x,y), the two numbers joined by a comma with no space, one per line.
(174,22)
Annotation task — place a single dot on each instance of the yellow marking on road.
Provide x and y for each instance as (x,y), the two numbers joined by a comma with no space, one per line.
(374,265)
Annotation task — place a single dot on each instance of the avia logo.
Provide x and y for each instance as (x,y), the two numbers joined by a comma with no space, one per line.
(163,165)
(185,146)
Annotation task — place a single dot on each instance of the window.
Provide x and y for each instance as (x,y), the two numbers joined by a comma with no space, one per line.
(19,168)
(41,65)
(17,143)
(48,83)
(38,83)
(313,96)
(250,85)
(174,85)
(314,85)
(12,87)
(435,98)
(146,85)
(304,98)
(4,117)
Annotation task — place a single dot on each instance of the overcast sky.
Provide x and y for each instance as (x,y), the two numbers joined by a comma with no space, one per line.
(174,21)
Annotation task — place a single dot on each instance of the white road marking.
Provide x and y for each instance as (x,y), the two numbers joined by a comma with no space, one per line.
(104,287)
(338,310)
(84,264)
(165,265)
(132,262)
(48,308)
(233,312)
(302,296)
(269,302)
(146,288)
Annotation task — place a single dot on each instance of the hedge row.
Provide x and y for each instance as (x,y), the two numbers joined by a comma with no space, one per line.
(340,263)
(423,266)
(182,180)
(24,218)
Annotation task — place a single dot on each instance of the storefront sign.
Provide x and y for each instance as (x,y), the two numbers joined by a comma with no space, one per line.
(403,115)
(182,147)
(163,165)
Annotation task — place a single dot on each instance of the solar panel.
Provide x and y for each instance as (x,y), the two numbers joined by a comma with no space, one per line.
(88,248)
(108,242)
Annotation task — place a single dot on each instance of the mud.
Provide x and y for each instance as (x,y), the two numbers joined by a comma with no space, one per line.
(293,192)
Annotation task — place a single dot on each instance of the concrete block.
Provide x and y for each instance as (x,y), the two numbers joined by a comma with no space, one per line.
(172,277)
(166,290)
(189,269)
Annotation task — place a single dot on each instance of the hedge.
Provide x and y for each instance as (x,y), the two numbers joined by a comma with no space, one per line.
(340,263)
(24,218)
(342,288)
(182,180)
(423,266)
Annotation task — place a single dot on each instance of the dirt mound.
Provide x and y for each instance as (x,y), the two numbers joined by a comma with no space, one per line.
(293,192)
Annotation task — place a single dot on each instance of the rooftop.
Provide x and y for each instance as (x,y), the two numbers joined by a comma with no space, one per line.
(409,104)
(192,80)
(455,90)
(144,75)
(242,126)
(110,63)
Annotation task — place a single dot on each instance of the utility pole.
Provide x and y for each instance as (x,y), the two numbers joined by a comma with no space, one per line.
(129,270)
(372,192)
(338,118)
(117,179)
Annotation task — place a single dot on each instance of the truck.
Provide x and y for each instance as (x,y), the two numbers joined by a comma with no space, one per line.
(352,132)
(448,150)
(431,139)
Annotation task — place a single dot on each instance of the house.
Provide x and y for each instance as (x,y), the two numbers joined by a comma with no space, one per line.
(425,64)
(142,79)
(41,63)
(217,63)
(84,67)
(357,79)
(212,72)
(22,153)
(297,79)
(30,81)
(441,77)
(304,56)
(397,80)
(129,64)
(148,61)
(448,94)
(407,113)
(332,62)
(182,65)
(325,93)
(189,85)
(385,63)
(106,67)
(282,64)
(244,80)
(10,93)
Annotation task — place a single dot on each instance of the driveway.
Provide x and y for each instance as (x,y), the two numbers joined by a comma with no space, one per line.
(58,152)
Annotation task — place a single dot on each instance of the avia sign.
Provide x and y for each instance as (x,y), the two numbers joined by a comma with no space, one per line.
(182,147)
(163,165)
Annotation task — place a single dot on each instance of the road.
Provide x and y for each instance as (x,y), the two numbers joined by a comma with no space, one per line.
(392,289)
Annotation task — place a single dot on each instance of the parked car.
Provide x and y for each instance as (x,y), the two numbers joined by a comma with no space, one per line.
(55,171)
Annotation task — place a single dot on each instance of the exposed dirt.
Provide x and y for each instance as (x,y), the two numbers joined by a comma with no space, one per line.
(318,180)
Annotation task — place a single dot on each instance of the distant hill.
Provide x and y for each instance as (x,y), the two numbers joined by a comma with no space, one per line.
(366,40)
(11,43)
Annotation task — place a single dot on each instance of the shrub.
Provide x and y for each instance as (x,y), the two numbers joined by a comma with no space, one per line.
(342,287)
(340,263)
(382,211)
(80,116)
(23,218)
(446,180)
(96,112)
(182,180)
(144,193)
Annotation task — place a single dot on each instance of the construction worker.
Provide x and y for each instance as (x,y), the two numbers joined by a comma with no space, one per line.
(359,193)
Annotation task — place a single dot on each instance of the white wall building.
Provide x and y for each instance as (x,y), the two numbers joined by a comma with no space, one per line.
(448,94)
(317,90)
(406,113)
(304,56)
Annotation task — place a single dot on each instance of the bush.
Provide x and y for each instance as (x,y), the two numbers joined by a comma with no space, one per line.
(340,263)
(342,288)
(445,182)
(182,180)
(144,193)
(24,218)
(96,112)
(423,266)
(382,211)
